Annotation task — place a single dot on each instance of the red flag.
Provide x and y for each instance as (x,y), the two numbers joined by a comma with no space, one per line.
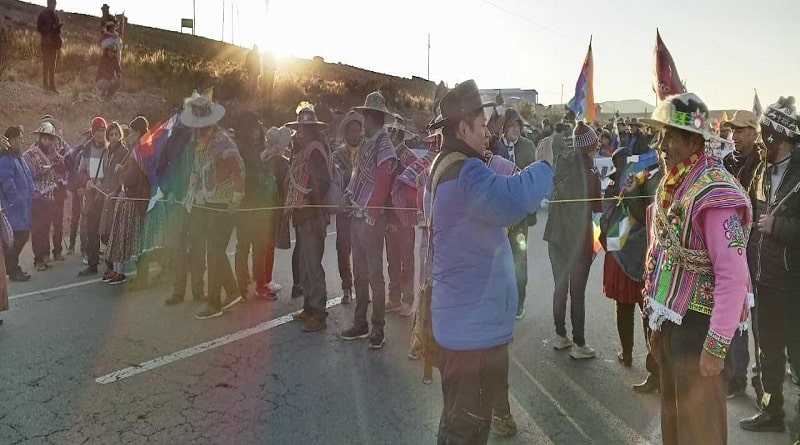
(666,81)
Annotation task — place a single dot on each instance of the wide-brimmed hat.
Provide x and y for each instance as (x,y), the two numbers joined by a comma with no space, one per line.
(307,116)
(47,128)
(462,99)
(200,112)
(399,125)
(682,111)
(635,122)
(742,119)
(351,116)
(374,102)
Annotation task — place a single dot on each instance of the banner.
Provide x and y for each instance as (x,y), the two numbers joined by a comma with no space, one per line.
(666,81)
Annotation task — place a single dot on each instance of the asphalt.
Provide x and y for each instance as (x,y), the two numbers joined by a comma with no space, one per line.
(252,377)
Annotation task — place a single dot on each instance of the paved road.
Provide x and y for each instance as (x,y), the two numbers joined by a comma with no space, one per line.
(97,364)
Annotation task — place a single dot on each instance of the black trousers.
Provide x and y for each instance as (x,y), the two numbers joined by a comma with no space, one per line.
(312,247)
(41,217)
(75,220)
(189,252)
(57,220)
(570,276)
(471,381)
(779,333)
(93,216)
(297,272)
(693,408)
(518,237)
(49,57)
(368,271)
(343,249)
(12,255)
(400,256)
(218,227)
(253,233)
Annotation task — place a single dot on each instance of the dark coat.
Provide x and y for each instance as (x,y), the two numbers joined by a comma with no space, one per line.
(524,155)
(16,190)
(49,26)
(109,68)
(775,259)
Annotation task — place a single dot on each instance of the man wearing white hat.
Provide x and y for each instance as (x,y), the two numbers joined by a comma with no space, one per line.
(216,190)
(43,161)
(368,191)
(400,229)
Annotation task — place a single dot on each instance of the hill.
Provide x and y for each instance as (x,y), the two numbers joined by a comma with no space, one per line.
(626,107)
(162,67)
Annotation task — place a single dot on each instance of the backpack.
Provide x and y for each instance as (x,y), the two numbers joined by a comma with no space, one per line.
(422,342)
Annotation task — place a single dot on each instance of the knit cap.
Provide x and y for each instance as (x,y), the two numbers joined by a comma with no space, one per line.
(782,117)
(98,123)
(584,136)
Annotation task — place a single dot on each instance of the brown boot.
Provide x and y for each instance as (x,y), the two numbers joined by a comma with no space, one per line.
(315,324)
(301,316)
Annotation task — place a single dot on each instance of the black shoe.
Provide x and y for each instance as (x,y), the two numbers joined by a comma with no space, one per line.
(173,300)
(376,338)
(18,277)
(626,360)
(737,386)
(89,271)
(649,386)
(355,333)
(763,422)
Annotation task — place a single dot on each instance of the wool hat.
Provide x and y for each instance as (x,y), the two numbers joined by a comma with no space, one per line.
(200,112)
(462,99)
(98,123)
(350,117)
(140,124)
(685,112)
(782,117)
(584,136)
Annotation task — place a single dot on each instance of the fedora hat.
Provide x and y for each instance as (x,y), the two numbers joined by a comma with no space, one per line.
(682,111)
(462,99)
(743,119)
(635,122)
(307,116)
(200,112)
(375,102)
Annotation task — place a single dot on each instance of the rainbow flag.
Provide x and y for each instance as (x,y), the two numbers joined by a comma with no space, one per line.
(582,104)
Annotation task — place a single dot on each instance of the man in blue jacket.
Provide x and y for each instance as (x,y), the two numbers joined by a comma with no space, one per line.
(474,296)
(16,190)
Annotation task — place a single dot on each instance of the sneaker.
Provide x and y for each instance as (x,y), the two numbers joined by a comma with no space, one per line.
(89,271)
(208,311)
(347,296)
(173,300)
(229,303)
(301,316)
(58,257)
(392,307)
(274,287)
(109,275)
(376,338)
(504,425)
(407,310)
(520,315)
(265,294)
(582,352)
(561,343)
(18,277)
(315,324)
(355,333)
(118,279)
(40,267)
(737,386)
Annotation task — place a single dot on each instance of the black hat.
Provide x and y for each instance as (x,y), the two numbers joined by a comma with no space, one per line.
(512,116)
(462,99)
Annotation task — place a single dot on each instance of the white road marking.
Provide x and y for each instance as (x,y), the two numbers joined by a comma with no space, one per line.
(198,349)
(94,281)
(553,400)
(528,429)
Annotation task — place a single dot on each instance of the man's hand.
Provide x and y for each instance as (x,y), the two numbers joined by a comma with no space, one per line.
(544,152)
(710,365)
(89,184)
(765,224)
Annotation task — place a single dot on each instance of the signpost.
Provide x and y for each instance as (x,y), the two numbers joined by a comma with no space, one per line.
(187,23)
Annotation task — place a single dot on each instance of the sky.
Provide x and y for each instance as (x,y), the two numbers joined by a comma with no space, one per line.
(723,49)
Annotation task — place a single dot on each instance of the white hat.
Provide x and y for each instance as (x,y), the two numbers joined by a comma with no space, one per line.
(200,112)
(47,128)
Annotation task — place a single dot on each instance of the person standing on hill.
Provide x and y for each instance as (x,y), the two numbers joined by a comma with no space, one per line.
(109,73)
(49,26)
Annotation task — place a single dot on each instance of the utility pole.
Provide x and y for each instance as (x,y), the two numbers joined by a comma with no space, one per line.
(223,20)
(233,23)
(562,94)
(194,16)
(429,56)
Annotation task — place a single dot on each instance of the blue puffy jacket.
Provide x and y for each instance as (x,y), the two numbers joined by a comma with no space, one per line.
(16,189)
(474,296)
